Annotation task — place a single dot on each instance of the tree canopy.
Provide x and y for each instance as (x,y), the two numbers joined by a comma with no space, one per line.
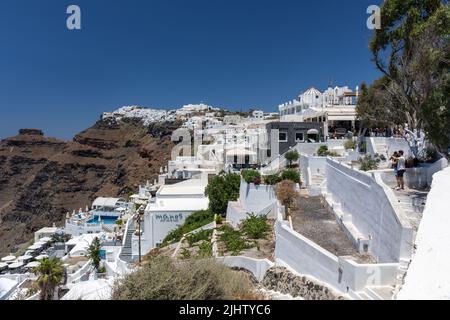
(412,50)
(220,190)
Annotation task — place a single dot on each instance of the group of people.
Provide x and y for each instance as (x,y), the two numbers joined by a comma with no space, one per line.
(398,162)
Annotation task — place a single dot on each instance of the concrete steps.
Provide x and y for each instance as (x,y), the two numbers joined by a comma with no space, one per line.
(380,293)
(127,252)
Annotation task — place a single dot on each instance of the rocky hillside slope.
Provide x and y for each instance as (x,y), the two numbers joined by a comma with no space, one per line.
(42,178)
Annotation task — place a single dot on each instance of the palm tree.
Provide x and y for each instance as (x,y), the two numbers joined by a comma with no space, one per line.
(94,253)
(50,274)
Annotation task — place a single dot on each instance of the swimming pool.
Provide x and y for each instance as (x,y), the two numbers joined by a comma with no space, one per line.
(105,220)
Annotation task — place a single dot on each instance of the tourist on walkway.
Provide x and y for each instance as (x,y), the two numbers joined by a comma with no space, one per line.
(401,168)
(394,160)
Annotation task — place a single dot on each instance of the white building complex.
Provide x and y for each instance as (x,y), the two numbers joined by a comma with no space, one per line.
(335,106)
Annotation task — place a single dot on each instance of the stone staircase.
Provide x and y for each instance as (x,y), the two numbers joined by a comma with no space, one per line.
(412,203)
(126,253)
(318,185)
(373,293)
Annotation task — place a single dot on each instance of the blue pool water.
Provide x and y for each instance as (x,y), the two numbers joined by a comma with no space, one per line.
(105,220)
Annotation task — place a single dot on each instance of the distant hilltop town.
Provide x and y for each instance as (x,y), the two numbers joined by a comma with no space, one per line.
(150,115)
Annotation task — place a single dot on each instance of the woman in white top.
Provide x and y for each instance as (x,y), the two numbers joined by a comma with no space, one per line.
(401,168)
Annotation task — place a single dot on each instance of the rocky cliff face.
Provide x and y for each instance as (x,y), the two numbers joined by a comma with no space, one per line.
(282,280)
(42,178)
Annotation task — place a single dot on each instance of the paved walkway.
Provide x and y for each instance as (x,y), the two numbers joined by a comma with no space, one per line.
(413,203)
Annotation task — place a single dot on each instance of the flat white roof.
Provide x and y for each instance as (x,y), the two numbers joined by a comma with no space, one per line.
(47,230)
(191,187)
(6,285)
(106,202)
(90,290)
(178,204)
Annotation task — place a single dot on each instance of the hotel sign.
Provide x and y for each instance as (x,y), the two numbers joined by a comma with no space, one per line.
(169,218)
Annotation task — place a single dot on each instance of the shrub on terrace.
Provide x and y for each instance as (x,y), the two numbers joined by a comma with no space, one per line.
(194,221)
(272,179)
(251,176)
(291,174)
(255,227)
(350,144)
(368,163)
(233,239)
(292,156)
(287,194)
(202,235)
(324,152)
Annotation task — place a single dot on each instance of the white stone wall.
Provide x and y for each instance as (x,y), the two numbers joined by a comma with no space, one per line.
(393,144)
(256,198)
(372,208)
(307,258)
(258,267)
(428,274)
(157,226)
(311,148)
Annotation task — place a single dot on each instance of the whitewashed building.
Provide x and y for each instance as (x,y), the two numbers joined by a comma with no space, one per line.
(335,106)
(169,209)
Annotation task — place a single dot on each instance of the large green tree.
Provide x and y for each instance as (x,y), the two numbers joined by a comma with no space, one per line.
(412,50)
(220,190)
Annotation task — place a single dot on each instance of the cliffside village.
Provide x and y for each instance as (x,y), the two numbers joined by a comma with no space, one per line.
(352,233)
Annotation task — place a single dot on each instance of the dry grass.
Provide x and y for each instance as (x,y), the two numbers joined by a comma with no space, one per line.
(164,278)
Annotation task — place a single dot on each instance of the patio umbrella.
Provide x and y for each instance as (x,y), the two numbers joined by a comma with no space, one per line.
(45,239)
(15,265)
(33,264)
(41,256)
(9,258)
(36,246)
(24,258)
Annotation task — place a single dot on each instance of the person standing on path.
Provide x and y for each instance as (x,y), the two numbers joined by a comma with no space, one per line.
(401,168)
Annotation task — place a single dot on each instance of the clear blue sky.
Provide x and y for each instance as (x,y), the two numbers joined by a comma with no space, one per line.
(166,53)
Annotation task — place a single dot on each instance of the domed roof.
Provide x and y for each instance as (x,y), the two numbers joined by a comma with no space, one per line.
(311,92)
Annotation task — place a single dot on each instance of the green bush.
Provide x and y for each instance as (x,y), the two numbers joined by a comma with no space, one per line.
(219,219)
(251,176)
(350,144)
(255,227)
(220,190)
(194,221)
(291,174)
(272,179)
(164,278)
(322,151)
(233,240)
(292,156)
(202,235)
(362,147)
(368,163)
